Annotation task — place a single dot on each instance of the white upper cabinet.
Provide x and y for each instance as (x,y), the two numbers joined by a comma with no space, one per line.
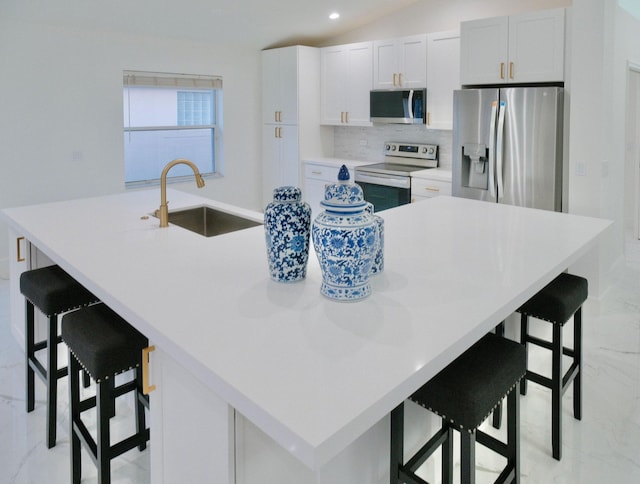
(528,47)
(400,63)
(346,73)
(443,77)
(280,84)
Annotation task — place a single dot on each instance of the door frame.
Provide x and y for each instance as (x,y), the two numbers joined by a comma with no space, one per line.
(632,142)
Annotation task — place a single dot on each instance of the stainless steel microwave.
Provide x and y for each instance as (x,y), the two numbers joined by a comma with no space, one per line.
(406,106)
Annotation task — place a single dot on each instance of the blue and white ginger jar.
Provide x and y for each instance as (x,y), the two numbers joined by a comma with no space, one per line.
(345,238)
(287,224)
(378,259)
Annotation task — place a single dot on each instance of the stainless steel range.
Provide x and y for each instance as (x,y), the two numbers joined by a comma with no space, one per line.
(388,184)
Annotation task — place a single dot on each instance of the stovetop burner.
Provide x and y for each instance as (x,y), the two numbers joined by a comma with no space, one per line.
(402,159)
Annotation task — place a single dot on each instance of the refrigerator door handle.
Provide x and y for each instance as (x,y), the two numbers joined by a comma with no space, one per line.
(492,148)
(499,149)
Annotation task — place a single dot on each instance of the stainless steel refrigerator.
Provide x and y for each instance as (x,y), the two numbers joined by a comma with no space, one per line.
(507,145)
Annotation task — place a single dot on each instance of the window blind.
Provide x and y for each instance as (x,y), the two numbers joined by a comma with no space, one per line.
(155,79)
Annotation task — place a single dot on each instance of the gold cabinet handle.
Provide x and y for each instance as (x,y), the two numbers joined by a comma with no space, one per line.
(428,118)
(394,78)
(400,79)
(20,257)
(510,70)
(342,116)
(501,70)
(346,117)
(146,388)
(431,189)
(316,173)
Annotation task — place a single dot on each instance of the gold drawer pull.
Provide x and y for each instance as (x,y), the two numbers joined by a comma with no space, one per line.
(146,388)
(21,258)
(431,189)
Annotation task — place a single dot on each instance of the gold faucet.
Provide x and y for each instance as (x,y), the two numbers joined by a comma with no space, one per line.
(163,211)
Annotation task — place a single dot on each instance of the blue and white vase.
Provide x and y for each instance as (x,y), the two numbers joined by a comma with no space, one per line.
(345,238)
(378,259)
(287,224)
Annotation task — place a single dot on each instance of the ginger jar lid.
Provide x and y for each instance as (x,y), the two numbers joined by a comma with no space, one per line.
(344,195)
(287,194)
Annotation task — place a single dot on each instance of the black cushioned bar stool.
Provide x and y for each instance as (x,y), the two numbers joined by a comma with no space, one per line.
(464,394)
(556,303)
(104,345)
(53,292)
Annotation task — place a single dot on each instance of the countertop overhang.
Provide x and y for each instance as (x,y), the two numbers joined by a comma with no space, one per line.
(312,373)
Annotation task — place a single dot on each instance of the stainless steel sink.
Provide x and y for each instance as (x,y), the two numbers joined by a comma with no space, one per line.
(208,221)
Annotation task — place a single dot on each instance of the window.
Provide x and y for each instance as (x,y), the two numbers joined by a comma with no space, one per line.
(169,116)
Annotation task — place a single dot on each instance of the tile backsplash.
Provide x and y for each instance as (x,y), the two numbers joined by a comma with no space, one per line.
(367,144)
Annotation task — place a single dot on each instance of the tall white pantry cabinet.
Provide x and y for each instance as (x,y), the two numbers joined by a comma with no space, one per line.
(290,114)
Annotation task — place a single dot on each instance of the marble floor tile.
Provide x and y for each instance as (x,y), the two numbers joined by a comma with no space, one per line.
(602,448)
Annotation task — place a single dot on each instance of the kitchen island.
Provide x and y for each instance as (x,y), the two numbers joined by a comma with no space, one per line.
(256,378)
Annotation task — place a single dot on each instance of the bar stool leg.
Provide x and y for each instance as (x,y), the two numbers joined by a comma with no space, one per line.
(497,413)
(524,331)
(74,403)
(513,432)
(52,380)
(104,392)
(397,443)
(30,354)
(447,455)
(577,349)
(467,457)
(141,424)
(556,392)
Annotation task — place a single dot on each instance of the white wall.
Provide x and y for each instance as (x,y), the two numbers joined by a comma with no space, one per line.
(605,37)
(61,104)
(439,15)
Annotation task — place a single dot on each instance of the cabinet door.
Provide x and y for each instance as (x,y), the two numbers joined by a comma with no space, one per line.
(385,65)
(412,62)
(333,64)
(289,85)
(280,84)
(280,158)
(443,77)
(357,83)
(536,46)
(18,263)
(484,51)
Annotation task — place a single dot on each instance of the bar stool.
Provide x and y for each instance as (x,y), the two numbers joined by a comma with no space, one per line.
(104,345)
(556,303)
(53,292)
(464,394)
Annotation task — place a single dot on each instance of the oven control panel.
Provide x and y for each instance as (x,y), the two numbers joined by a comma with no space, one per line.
(411,150)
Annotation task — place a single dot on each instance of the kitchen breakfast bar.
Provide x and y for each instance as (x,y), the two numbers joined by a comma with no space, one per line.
(258,381)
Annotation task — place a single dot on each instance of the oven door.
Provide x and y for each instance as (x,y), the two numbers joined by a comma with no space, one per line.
(384,191)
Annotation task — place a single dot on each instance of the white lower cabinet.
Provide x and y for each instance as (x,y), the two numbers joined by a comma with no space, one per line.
(192,428)
(22,257)
(260,460)
(422,188)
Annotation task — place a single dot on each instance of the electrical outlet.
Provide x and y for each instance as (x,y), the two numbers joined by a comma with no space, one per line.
(581,168)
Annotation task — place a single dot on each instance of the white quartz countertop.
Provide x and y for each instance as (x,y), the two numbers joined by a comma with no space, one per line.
(312,373)
(337,162)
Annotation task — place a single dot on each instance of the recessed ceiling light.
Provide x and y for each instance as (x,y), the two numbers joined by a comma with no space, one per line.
(334,16)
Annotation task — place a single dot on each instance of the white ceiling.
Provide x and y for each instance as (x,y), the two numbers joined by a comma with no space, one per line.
(253,23)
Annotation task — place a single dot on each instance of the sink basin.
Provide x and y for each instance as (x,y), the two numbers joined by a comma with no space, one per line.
(208,221)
